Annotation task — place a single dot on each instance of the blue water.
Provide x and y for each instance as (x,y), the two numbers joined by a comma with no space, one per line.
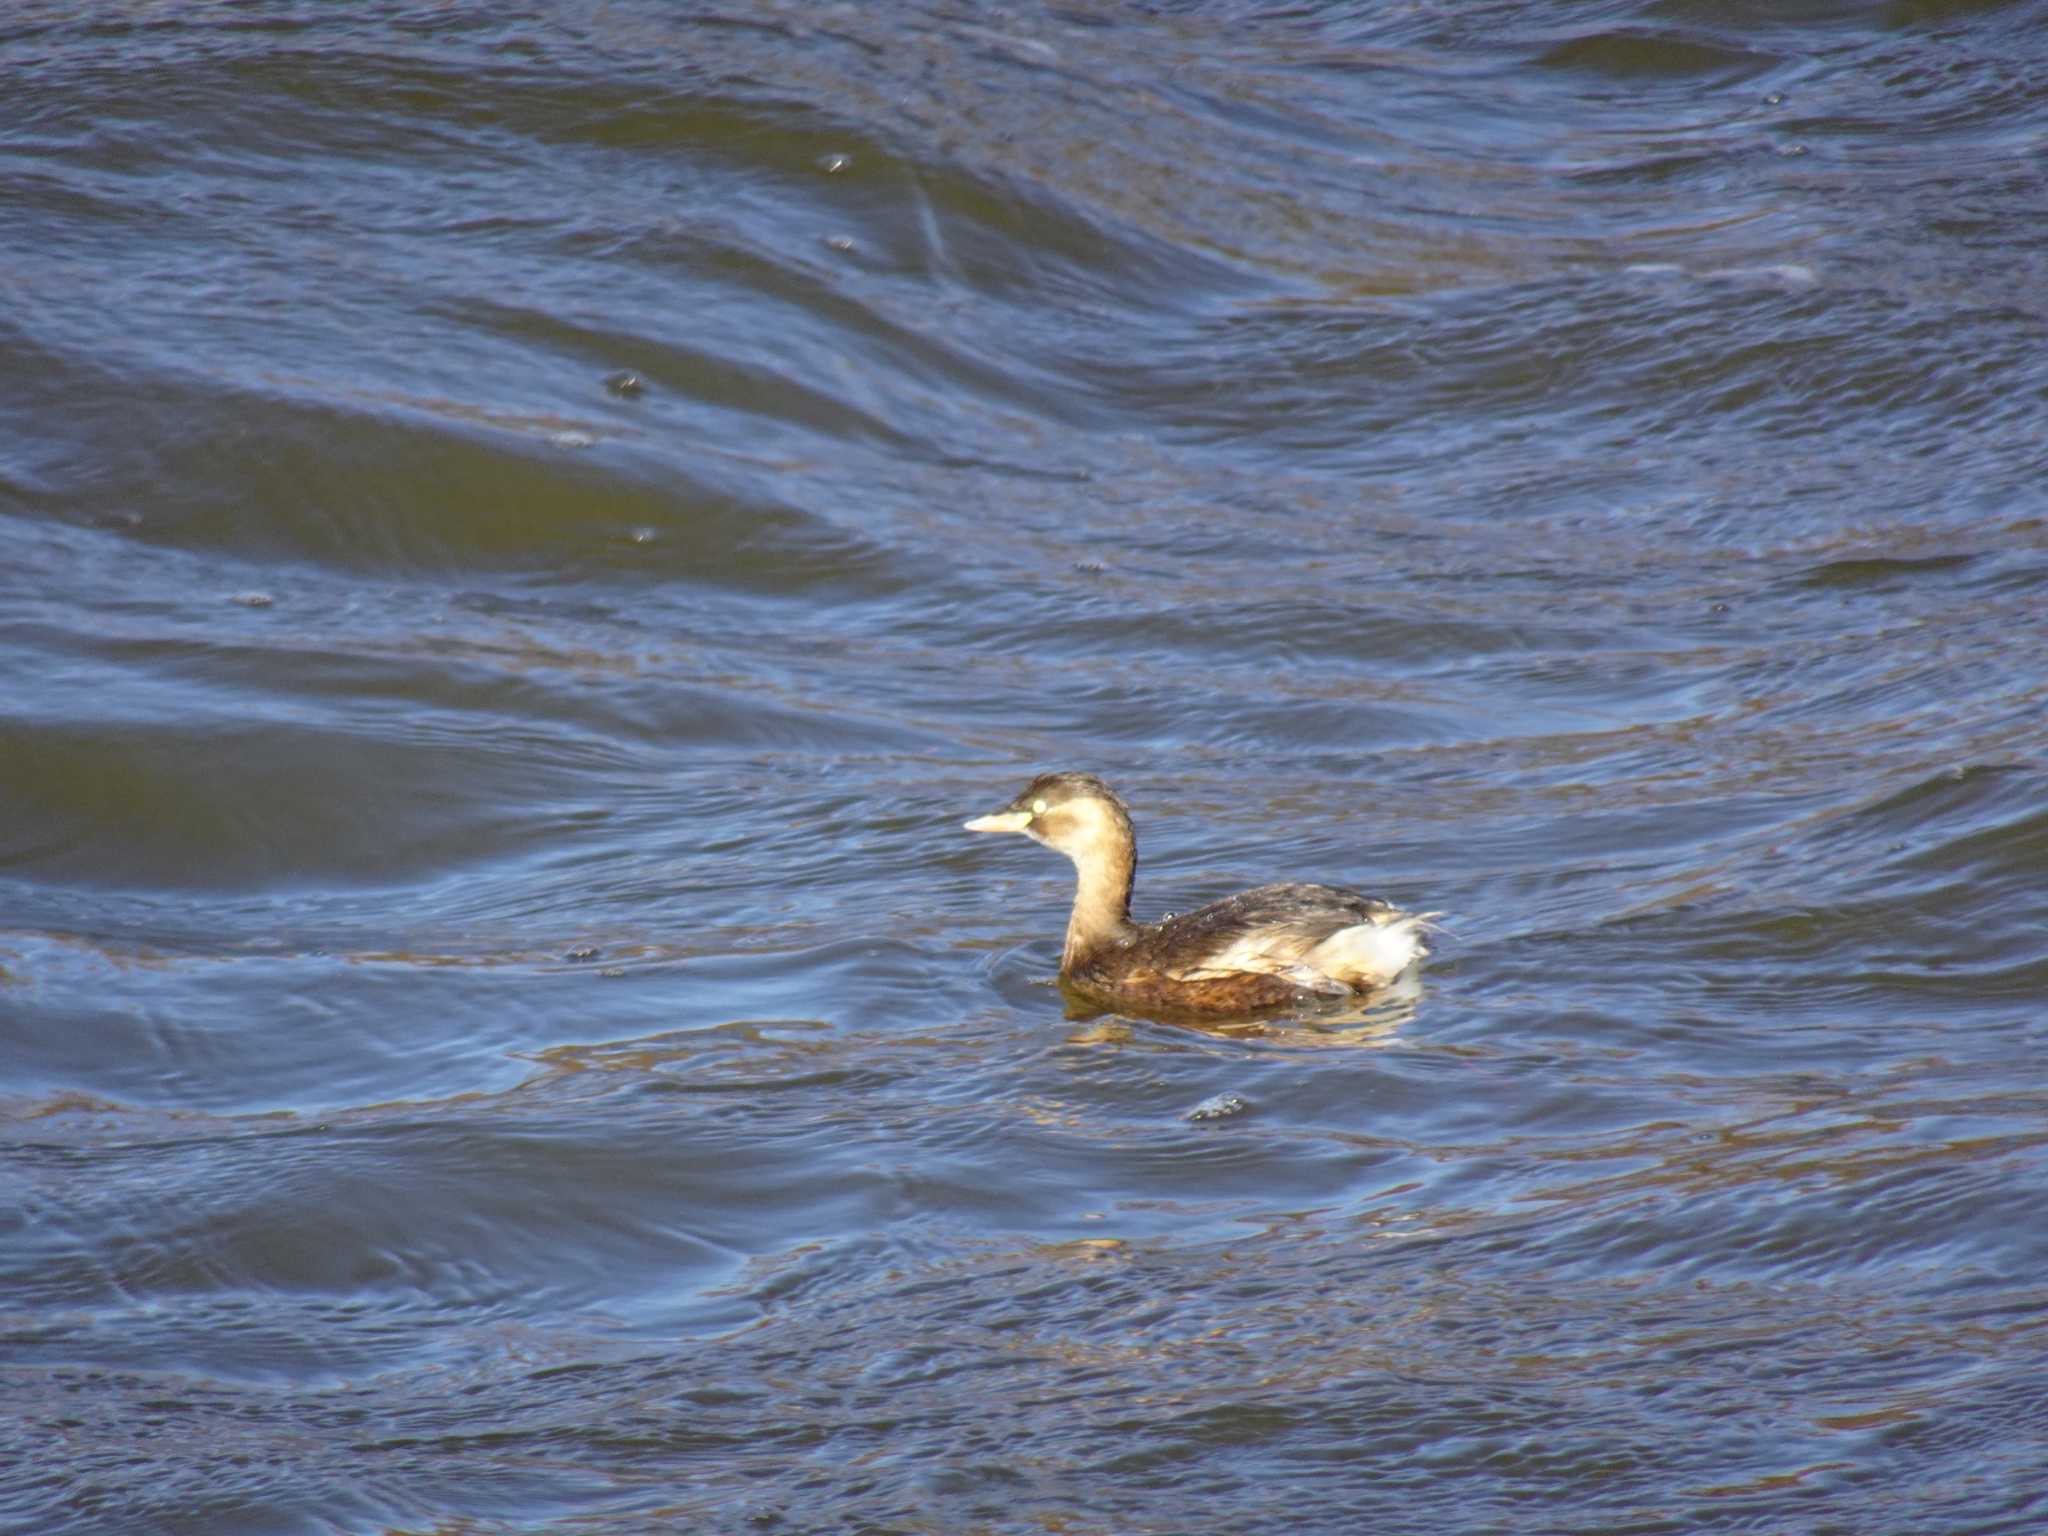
(523,534)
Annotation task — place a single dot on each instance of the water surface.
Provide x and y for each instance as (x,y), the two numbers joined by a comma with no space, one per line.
(524,532)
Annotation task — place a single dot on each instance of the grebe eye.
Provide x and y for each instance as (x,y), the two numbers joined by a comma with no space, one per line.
(1038,807)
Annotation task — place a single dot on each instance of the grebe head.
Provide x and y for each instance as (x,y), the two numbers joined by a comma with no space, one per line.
(1075,813)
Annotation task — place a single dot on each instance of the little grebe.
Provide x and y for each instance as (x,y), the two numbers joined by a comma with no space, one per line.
(1262,949)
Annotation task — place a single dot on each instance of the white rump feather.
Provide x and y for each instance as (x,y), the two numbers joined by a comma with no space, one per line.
(1372,954)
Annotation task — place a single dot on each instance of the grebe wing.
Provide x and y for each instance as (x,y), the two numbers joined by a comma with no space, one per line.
(1266,931)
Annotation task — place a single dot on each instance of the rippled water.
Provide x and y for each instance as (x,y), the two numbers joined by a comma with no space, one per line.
(524,531)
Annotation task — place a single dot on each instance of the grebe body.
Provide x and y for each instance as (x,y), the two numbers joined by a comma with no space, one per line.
(1273,947)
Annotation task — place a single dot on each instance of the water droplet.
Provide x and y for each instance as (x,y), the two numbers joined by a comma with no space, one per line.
(1219,1106)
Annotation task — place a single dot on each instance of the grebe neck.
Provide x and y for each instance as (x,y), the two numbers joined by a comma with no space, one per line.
(1102,903)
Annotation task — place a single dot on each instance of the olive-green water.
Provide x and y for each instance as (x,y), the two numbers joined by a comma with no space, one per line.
(525,530)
